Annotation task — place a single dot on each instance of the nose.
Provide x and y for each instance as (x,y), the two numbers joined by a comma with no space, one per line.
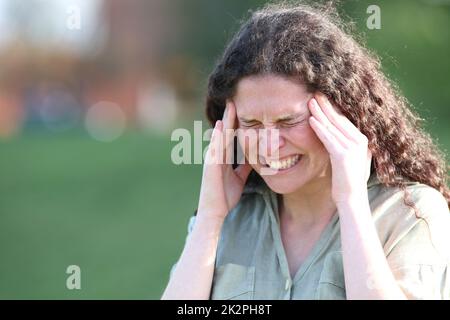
(270,142)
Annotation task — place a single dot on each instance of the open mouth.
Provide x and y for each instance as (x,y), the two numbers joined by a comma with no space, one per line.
(283,164)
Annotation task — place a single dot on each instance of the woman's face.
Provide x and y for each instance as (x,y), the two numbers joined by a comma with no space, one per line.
(297,155)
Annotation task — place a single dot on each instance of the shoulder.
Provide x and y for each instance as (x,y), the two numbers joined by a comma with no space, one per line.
(415,241)
(421,228)
(251,207)
(245,217)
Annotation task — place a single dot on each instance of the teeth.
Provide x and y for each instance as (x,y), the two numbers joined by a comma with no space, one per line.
(285,163)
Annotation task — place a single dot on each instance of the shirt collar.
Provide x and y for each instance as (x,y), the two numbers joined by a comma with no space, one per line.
(255,184)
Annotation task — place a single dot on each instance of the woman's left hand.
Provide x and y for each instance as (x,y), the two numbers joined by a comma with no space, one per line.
(347,146)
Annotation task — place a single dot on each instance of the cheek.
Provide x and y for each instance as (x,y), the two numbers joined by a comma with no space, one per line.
(318,154)
(305,138)
(314,140)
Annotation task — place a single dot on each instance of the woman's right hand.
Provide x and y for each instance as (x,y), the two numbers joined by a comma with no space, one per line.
(222,185)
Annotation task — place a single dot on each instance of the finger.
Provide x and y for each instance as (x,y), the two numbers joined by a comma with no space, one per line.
(215,148)
(318,114)
(217,131)
(229,132)
(369,163)
(329,141)
(337,118)
(229,115)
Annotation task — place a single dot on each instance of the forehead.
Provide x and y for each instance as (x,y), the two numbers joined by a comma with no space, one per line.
(270,95)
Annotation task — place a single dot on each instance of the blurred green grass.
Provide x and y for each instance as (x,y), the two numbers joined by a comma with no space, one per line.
(117,210)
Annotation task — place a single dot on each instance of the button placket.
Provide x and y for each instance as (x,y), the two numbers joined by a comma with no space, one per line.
(288,284)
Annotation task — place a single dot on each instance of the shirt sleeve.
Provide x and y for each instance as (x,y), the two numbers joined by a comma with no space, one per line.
(424,281)
(189,230)
(420,260)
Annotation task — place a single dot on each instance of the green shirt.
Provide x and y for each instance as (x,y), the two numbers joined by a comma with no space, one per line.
(251,262)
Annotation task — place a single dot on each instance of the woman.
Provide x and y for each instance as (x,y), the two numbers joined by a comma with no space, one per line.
(358,206)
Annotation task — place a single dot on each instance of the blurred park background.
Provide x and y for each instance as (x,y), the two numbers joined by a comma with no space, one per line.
(90,92)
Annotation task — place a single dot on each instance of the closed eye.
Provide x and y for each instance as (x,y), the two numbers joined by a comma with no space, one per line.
(289,124)
(249,124)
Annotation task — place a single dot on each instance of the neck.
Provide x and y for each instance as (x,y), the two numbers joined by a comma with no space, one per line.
(310,206)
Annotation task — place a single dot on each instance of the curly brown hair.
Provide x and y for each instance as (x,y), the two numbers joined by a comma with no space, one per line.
(312,44)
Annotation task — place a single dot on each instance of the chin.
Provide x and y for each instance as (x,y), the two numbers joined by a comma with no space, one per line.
(284,185)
